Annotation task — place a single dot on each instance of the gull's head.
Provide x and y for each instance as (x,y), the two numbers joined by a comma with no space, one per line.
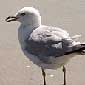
(27,16)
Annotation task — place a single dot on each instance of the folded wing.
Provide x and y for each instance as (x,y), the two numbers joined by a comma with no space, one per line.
(48,41)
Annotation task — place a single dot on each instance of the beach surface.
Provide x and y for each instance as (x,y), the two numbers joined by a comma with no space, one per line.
(15,68)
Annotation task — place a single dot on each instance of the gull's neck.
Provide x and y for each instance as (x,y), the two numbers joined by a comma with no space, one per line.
(27,26)
(32,22)
(30,25)
(25,30)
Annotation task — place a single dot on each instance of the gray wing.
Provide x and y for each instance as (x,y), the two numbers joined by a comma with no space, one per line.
(48,41)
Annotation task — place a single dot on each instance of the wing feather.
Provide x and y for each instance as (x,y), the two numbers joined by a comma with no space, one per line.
(48,41)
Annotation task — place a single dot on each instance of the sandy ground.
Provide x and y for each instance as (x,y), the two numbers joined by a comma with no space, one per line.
(67,14)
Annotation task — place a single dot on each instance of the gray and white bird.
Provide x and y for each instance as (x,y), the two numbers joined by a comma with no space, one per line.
(46,46)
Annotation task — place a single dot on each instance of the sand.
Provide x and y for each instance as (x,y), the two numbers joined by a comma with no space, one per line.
(15,68)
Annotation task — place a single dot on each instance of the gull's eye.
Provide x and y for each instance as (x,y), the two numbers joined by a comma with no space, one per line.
(22,14)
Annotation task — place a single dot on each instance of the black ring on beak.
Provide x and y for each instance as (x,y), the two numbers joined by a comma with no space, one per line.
(11,18)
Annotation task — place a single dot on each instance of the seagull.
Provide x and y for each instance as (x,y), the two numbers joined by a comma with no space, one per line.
(46,46)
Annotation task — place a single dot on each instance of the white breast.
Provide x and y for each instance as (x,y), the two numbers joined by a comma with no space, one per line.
(23,33)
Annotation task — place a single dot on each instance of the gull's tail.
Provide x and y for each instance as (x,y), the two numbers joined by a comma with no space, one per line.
(80,48)
(76,37)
